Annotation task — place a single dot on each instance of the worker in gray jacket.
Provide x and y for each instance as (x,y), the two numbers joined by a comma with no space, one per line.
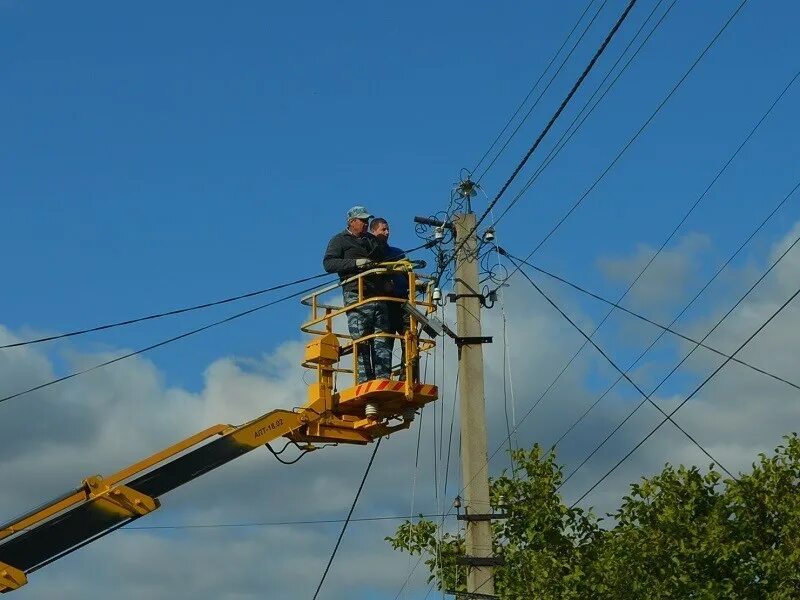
(349,252)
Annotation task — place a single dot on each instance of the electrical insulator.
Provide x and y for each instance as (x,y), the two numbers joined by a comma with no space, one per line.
(457,502)
(438,233)
(437,294)
(488,235)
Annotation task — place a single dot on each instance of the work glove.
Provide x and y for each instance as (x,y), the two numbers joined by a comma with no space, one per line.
(363,262)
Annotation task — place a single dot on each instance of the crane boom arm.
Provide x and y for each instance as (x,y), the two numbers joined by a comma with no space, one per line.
(102,505)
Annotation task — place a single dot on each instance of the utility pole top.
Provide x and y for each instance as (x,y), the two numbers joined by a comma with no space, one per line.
(467,189)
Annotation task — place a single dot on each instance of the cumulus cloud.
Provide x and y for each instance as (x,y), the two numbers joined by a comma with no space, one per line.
(666,279)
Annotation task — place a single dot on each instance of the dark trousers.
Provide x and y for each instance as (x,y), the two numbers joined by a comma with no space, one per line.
(398,323)
(375,355)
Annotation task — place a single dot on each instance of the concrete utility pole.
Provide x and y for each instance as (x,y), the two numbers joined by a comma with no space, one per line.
(474,457)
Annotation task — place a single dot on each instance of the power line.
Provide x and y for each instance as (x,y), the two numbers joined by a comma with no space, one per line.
(685,358)
(162,314)
(690,396)
(551,122)
(178,311)
(594,184)
(282,523)
(665,328)
(623,373)
(533,87)
(411,572)
(542,93)
(501,445)
(583,115)
(156,345)
(347,520)
(732,357)
(663,245)
(713,278)
(785,199)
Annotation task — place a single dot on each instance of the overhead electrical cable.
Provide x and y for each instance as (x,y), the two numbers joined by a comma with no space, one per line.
(178,311)
(450,434)
(694,392)
(348,519)
(506,379)
(414,472)
(663,245)
(582,115)
(164,314)
(158,344)
(542,93)
(686,307)
(690,396)
(602,175)
(411,573)
(533,87)
(623,373)
(281,523)
(551,122)
(685,358)
(665,328)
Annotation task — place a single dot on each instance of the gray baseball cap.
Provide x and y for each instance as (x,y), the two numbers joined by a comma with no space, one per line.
(358,212)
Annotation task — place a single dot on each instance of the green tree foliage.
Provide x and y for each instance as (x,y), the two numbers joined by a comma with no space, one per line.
(679,534)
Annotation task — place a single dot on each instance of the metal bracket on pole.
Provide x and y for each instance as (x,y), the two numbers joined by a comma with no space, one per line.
(481,516)
(487,300)
(481,561)
(471,595)
(470,341)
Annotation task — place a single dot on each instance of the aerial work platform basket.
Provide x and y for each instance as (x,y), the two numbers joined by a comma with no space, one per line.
(368,407)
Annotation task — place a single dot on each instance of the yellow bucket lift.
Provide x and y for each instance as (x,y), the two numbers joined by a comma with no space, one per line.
(357,414)
(365,411)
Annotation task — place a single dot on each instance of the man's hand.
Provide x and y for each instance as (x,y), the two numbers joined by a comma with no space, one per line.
(363,262)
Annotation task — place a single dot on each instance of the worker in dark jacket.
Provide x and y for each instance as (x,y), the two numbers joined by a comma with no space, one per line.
(349,252)
(396,285)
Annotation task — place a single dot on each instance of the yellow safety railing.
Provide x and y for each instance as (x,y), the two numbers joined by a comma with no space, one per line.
(323,313)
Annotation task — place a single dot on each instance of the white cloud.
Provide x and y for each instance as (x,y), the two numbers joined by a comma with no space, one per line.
(666,279)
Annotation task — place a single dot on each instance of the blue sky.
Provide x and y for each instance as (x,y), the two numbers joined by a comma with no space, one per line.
(162,154)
